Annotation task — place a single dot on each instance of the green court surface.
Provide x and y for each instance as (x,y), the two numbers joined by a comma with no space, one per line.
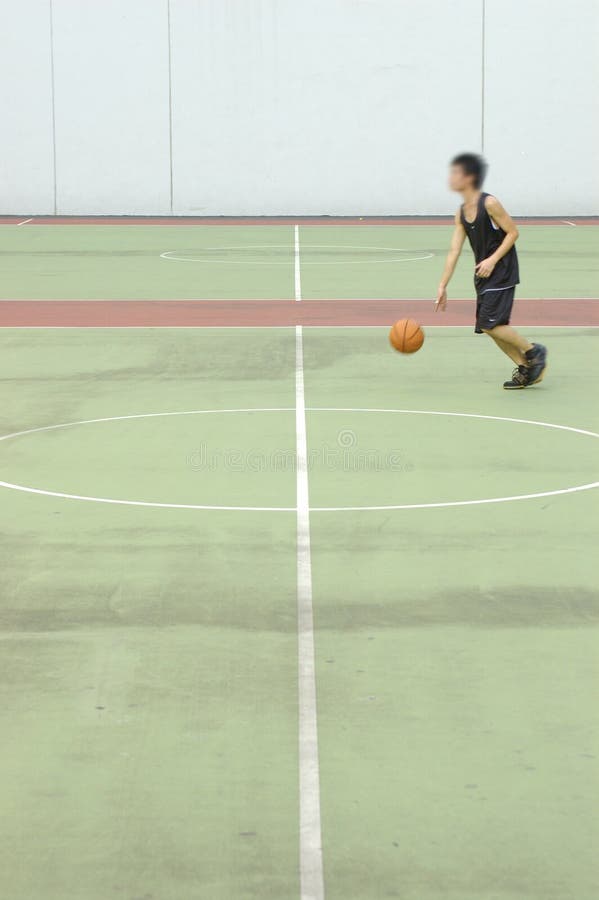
(112,262)
(150,689)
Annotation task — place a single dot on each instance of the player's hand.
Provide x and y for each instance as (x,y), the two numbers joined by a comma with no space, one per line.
(484,268)
(441,301)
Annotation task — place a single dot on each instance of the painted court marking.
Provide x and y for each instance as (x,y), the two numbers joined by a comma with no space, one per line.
(311,868)
(418,412)
(193,412)
(310,830)
(425,254)
(297,265)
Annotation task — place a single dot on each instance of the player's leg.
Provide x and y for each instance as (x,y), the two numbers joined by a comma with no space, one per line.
(531,362)
(514,352)
(508,335)
(535,355)
(493,312)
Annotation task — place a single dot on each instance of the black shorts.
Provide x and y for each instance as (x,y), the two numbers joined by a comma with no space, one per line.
(494,308)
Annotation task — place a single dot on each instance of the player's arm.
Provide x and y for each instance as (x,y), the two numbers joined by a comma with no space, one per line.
(457,242)
(505,221)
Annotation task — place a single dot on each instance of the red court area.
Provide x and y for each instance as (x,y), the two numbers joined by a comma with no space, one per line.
(255,313)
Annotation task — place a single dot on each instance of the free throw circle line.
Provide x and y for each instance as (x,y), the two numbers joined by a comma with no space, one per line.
(168,254)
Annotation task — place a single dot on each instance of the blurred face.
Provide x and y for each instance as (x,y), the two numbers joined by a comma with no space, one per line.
(458,180)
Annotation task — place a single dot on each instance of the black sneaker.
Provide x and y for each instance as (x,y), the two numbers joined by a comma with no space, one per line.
(536,359)
(520,379)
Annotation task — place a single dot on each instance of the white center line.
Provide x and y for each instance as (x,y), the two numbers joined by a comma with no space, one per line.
(298,273)
(310,850)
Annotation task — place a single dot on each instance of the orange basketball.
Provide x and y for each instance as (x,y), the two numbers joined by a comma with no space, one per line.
(406,336)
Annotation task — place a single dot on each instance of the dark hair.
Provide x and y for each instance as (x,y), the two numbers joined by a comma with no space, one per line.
(472,164)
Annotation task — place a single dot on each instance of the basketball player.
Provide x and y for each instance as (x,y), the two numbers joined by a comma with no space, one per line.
(492,234)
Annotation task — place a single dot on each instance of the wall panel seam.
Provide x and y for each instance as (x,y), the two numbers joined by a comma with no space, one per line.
(170,103)
(483,63)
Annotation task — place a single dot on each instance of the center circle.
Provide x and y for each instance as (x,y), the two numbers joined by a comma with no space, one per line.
(413,455)
(311,255)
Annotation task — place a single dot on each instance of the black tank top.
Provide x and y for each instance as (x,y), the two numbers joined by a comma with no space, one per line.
(485,237)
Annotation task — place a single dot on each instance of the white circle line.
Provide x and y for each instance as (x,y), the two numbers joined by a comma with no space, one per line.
(431,412)
(188,412)
(30,490)
(168,255)
(435,505)
(192,412)
(290,247)
(571,490)
(426,412)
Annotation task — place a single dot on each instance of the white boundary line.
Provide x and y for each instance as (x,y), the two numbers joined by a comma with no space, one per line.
(24,222)
(567,222)
(310,831)
(374,221)
(297,264)
(311,867)
(273,300)
(422,412)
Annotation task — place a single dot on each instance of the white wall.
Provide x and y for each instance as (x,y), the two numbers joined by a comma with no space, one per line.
(542,104)
(295,106)
(26,145)
(324,106)
(111,76)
